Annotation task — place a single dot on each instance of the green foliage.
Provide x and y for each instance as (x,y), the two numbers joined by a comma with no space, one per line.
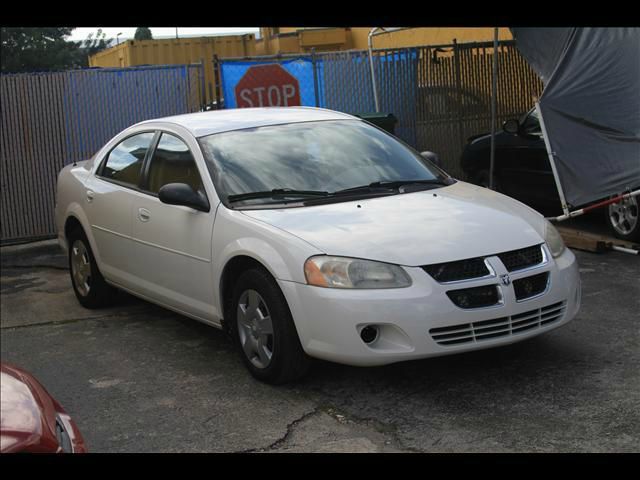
(143,33)
(26,49)
(92,45)
(36,49)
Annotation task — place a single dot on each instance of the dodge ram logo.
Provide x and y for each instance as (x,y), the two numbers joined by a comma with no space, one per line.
(506,280)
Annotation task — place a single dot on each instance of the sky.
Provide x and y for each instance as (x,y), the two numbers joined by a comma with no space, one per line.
(81,33)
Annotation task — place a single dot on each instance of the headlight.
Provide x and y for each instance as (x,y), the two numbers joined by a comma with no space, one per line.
(342,272)
(554,240)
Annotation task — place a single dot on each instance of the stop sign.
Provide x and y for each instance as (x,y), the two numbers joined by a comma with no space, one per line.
(267,86)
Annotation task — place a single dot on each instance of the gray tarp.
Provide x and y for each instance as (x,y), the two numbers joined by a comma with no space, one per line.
(590,105)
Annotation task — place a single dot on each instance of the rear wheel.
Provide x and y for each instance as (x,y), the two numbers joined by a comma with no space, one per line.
(263,329)
(622,218)
(91,290)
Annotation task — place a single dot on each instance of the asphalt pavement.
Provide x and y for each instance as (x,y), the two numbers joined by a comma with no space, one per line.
(138,378)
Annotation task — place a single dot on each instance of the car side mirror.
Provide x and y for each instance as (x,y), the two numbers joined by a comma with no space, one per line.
(183,194)
(432,157)
(511,126)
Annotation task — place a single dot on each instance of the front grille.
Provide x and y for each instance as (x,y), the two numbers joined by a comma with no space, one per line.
(475,297)
(476,268)
(459,270)
(523,258)
(498,327)
(530,286)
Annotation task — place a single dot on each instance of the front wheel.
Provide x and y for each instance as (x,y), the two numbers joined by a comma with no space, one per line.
(622,218)
(262,327)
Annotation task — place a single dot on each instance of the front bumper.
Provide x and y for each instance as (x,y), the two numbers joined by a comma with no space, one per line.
(329,320)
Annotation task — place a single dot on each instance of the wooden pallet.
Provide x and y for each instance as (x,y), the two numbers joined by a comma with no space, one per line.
(592,242)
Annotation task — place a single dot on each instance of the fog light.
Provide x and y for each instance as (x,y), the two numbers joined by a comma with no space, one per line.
(369,334)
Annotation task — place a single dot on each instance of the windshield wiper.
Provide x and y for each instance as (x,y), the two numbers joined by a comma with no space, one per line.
(392,184)
(277,192)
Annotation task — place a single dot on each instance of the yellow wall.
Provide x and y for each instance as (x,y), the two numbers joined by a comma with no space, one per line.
(426,36)
(289,40)
(173,51)
(357,37)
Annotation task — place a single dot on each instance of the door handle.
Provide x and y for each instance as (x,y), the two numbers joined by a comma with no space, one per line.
(89,196)
(144,215)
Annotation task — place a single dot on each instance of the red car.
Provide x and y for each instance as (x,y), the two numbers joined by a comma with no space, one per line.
(31,419)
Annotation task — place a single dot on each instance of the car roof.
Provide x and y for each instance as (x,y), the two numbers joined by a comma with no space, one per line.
(216,121)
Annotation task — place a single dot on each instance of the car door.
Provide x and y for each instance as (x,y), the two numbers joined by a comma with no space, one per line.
(173,242)
(109,197)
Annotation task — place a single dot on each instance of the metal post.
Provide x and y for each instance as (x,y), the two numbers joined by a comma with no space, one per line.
(373,74)
(552,161)
(494,90)
(203,91)
(315,76)
(456,58)
(216,80)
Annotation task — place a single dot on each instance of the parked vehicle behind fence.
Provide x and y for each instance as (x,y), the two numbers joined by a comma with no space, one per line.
(523,171)
(309,233)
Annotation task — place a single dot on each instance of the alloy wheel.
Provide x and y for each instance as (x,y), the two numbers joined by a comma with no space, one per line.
(623,215)
(255,328)
(81,267)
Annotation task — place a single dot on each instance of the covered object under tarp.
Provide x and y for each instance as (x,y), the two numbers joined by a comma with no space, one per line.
(590,106)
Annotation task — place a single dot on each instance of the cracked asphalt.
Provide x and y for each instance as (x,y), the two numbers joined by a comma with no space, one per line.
(138,378)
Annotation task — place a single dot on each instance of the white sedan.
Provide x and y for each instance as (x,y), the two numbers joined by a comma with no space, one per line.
(309,233)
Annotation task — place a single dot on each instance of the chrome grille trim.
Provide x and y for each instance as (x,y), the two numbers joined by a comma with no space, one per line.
(498,327)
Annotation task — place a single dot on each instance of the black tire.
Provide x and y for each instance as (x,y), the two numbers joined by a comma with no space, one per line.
(100,293)
(625,230)
(288,360)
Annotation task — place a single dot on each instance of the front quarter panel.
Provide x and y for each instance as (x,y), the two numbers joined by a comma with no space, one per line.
(281,253)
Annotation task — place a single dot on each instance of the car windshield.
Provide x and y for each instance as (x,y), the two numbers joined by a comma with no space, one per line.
(321,157)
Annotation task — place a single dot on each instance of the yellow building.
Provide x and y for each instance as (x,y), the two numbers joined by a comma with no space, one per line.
(273,40)
(173,51)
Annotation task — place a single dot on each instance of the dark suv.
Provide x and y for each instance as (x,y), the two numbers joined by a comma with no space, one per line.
(523,171)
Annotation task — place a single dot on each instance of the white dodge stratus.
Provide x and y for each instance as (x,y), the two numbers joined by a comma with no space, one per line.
(309,233)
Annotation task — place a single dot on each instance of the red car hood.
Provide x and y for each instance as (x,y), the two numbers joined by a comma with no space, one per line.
(28,415)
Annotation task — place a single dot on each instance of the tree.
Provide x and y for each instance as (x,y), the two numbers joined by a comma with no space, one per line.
(37,49)
(143,33)
(90,46)
(46,49)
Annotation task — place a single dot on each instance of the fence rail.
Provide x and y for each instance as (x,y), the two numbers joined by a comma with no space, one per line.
(52,119)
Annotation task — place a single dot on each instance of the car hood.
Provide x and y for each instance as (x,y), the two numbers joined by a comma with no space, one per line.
(432,226)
